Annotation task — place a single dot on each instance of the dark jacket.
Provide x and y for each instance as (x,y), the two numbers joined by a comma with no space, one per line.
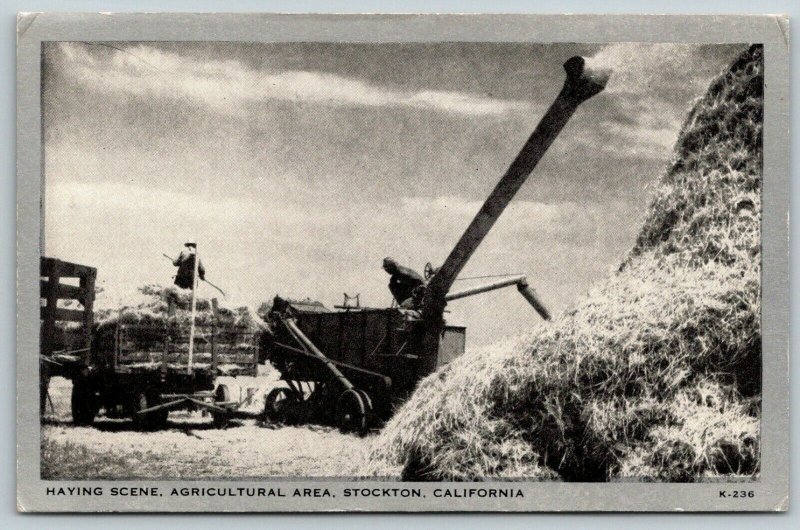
(185,264)
(403,282)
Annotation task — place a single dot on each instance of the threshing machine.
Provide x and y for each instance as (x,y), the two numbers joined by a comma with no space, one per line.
(351,367)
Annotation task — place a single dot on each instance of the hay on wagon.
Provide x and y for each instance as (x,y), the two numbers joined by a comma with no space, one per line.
(139,333)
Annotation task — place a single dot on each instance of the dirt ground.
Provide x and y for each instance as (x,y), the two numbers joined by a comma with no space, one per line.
(191,448)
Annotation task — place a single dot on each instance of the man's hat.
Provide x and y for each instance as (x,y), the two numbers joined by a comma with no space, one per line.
(389,261)
(190,244)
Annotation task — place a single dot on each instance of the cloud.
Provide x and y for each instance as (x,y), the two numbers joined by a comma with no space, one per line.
(650,90)
(291,206)
(134,209)
(563,219)
(640,68)
(228,86)
(100,219)
(627,140)
(259,246)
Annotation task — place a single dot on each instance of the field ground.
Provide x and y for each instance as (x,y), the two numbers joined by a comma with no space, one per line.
(191,448)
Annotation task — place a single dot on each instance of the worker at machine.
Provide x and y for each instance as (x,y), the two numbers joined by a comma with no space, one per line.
(403,283)
(185,263)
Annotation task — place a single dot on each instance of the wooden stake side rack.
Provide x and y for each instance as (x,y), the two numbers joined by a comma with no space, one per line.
(60,353)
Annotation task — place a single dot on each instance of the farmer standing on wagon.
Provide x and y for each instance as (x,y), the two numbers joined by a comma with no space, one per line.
(185,263)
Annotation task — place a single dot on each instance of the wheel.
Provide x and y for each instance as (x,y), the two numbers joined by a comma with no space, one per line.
(44,382)
(429,271)
(351,412)
(282,405)
(83,403)
(369,416)
(149,420)
(222,395)
(140,402)
(367,401)
(159,418)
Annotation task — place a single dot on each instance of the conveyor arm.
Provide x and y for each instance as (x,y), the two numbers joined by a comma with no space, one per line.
(522,286)
(581,84)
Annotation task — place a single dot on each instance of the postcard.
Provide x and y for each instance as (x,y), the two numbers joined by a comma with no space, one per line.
(402,263)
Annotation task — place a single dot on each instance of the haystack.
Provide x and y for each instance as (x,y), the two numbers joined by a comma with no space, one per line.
(655,375)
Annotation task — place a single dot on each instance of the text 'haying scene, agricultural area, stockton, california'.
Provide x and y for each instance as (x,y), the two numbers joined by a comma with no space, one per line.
(420,261)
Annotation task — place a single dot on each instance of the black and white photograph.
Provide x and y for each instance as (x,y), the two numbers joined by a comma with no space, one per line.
(483,265)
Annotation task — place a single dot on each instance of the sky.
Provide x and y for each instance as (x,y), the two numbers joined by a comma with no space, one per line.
(297,167)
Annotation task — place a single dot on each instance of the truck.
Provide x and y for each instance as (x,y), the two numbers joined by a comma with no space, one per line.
(132,370)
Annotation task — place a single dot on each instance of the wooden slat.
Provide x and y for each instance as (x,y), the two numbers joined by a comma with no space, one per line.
(87,285)
(65,268)
(52,290)
(48,312)
(63,291)
(72,315)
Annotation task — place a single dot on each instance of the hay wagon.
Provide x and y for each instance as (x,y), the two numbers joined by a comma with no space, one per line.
(144,371)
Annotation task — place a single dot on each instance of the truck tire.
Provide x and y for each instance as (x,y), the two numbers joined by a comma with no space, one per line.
(83,403)
(151,420)
(159,419)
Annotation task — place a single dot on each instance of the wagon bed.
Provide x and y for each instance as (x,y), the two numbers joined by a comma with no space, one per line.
(145,371)
(131,348)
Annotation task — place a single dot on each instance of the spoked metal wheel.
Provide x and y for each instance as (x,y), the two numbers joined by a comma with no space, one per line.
(367,401)
(282,405)
(351,411)
(221,395)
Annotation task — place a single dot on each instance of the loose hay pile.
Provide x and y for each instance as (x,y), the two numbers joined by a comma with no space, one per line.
(656,375)
(153,310)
